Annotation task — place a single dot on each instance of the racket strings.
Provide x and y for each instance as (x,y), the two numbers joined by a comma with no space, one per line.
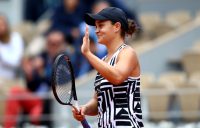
(63,81)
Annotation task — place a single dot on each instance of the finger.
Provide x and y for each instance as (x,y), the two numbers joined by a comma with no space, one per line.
(75,111)
(86,28)
(81,119)
(82,112)
(78,116)
(87,31)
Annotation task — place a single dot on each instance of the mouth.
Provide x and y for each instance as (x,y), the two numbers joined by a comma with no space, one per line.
(99,36)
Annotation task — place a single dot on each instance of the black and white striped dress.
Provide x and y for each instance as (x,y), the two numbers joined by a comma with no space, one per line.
(118,105)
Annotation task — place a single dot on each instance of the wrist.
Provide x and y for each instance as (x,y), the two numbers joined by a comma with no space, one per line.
(87,54)
(85,109)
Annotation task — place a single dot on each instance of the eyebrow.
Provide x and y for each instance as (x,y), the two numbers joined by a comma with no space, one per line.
(99,22)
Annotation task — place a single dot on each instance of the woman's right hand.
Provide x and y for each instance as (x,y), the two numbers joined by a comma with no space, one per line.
(79,115)
(85,48)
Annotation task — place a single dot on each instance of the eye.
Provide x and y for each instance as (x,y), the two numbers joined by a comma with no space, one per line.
(100,25)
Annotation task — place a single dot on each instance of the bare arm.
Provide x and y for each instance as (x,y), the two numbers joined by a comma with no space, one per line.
(91,106)
(88,109)
(126,63)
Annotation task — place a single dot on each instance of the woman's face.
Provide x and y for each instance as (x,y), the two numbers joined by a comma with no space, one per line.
(104,31)
(71,5)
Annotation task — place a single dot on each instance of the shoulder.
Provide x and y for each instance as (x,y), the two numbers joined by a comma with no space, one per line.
(16,41)
(16,37)
(128,55)
(59,8)
(128,51)
(58,11)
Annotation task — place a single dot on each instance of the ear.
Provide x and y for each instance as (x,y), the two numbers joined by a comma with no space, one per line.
(117,27)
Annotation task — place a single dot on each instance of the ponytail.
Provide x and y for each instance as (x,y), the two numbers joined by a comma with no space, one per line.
(132,27)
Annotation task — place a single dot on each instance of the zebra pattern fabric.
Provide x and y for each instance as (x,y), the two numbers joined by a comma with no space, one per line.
(119,106)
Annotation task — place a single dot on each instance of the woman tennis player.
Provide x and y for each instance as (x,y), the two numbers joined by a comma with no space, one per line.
(117,85)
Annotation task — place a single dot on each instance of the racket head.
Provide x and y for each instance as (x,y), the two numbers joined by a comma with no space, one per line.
(63,81)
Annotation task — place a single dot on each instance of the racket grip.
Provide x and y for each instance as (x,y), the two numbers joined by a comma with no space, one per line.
(85,124)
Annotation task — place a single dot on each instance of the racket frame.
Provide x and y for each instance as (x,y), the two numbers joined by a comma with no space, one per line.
(73,89)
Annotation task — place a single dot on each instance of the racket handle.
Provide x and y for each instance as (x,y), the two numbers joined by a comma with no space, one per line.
(85,124)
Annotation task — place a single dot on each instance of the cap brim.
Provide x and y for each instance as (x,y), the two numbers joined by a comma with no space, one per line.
(91,18)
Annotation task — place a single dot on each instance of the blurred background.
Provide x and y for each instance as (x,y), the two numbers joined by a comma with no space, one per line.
(33,32)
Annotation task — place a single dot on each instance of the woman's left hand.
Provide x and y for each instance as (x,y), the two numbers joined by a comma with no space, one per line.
(85,48)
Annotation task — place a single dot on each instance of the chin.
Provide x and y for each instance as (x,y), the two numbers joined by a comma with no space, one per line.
(100,42)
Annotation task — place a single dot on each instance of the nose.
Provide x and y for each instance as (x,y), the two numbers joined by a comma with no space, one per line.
(97,30)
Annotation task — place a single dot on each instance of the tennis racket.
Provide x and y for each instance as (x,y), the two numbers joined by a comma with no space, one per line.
(63,84)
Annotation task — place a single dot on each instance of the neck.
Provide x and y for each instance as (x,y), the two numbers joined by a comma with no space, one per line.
(70,9)
(4,38)
(113,45)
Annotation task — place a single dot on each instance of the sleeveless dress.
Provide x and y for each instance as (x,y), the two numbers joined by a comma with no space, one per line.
(118,105)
